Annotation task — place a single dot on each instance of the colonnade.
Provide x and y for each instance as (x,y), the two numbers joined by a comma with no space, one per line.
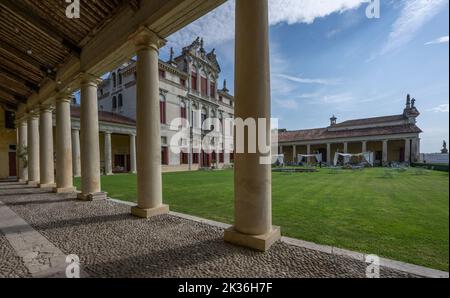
(253,198)
(411,147)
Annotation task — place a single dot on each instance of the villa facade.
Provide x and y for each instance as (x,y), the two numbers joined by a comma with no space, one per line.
(188,91)
(391,138)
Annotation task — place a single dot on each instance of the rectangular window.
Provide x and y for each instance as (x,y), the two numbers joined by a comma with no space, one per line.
(183,82)
(204,86)
(164,156)
(10,117)
(195,158)
(162,73)
(213,89)
(184,158)
(221,157)
(162,111)
(194,81)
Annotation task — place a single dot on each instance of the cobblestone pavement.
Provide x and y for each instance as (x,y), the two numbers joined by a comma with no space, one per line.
(112,243)
(11,265)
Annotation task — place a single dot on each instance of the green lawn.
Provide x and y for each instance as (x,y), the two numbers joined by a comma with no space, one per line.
(403,215)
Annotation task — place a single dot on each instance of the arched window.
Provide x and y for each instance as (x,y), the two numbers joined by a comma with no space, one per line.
(183,110)
(114,103)
(114,79)
(162,108)
(120,79)
(120,101)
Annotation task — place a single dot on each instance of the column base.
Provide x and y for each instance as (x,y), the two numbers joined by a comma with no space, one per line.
(256,242)
(147,213)
(92,196)
(62,190)
(49,185)
(33,183)
(109,174)
(22,181)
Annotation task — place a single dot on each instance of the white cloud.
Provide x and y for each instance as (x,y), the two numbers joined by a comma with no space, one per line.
(443,39)
(301,80)
(444,108)
(414,14)
(217,27)
(306,11)
(289,104)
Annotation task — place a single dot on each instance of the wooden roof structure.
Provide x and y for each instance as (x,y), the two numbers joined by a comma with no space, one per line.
(42,50)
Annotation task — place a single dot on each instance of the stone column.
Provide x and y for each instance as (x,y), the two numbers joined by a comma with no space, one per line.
(408,150)
(345,147)
(415,150)
(33,149)
(149,179)
(385,152)
(76,158)
(22,149)
(64,172)
(108,154)
(46,157)
(89,139)
(294,154)
(329,161)
(364,146)
(253,177)
(308,152)
(133,154)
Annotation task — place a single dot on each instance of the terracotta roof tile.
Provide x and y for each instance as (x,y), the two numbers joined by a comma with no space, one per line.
(367,121)
(105,116)
(324,133)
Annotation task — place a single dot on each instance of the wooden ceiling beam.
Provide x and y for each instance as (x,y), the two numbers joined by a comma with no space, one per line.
(32,86)
(10,50)
(14,95)
(20,10)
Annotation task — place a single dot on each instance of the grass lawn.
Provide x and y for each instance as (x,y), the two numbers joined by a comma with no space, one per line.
(402,215)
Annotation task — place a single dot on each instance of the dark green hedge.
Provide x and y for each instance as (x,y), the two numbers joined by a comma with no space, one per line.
(435,167)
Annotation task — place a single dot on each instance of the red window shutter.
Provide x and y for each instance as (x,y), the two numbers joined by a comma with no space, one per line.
(194,81)
(204,84)
(162,111)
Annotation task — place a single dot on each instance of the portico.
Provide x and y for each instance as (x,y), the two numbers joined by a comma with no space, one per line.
(141,31)
(390,138)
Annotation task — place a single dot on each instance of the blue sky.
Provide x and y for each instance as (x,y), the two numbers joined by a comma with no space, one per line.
(328,58)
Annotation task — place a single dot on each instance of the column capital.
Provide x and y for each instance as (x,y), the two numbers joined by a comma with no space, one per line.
(87,79)
(33,114)
(64,96)
(144,38)
(46,108)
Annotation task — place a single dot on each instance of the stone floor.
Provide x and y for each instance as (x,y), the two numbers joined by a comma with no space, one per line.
(112,243)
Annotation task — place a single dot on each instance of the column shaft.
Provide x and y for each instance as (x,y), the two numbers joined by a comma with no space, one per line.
(345,147)
(364,146)
(385,153)
(308,152)
(22,149)
(46,156)
(408,150)
(149,179)
(133,154)
(89,139)
(329,157)
(76,158)
(253,178)
(294,154)
(64,172)
(108,154)
(33,150)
